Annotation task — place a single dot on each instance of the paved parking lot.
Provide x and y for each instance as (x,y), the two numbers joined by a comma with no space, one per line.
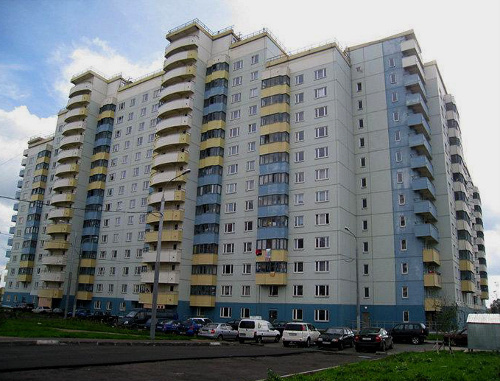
(235,361)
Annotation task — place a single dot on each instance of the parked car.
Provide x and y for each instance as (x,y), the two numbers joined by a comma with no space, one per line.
(279,325)
(24,307)
(234,323)
(219,331)
(458,338)
(337,337)
(300,333)
(82,313)
(168,326)
(258,330)
(135,318)
(42,310)
(410,332)
(192,326)
(58,311)
(373,338)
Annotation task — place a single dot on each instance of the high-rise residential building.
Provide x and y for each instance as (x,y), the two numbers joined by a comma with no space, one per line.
(318,180)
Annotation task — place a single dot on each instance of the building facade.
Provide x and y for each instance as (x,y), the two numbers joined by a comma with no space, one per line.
(293,185)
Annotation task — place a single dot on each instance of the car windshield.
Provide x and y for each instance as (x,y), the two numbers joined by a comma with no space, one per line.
(131,314)
(294,327)
(247,324)
(334,330)
(369,331)
(212,326)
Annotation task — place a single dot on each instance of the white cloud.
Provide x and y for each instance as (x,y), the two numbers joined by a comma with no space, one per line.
(96,54)
(8,86)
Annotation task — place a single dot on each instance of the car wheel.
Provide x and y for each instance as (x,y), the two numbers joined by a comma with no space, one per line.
(383,347)
(258,339)
(286,344)
(308,343)
(277,339)
(415,340)
(341,346)
(358,349)
(220,338)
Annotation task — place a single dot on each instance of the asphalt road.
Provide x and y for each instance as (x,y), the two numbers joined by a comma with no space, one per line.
(239,362)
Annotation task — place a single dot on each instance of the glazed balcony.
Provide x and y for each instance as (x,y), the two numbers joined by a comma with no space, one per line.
(76,114)
(13,218)
(84,295)
(203,280)
(175,107)
(485,295)
(65,183)
(67,168)
(164,298)
(413,65)
(431,256)
(168,215)
(423,166)
(467,286)
(78,101)
(204,259)
(276,256)
(433,304)
(166,277)
(169,159)
(166,236)
(82,88)
(276,279)
(184,43)
(168,141)
(420,144)
(24,277)
(419,124)
(166,256)
(175,122)
(24,161)
(417,103)
(432,280)
(202,301)
(86,279)
(179,90)
(60,213)
(57,244)
(57,277)
(166,177)
(69,154)
(170,196)
(74,127)
(180,74)
(426,209)
(414,83)
(72,141)
(180,58)
(424,186)
(51,293)
(58,229)
(12,230)
(428,232)
(466,265)
(54,260)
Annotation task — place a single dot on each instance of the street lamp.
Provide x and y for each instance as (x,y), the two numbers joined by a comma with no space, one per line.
(154,306)
(358,318)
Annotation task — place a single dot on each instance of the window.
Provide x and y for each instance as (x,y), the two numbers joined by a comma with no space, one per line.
(361,142)
(359,87)
(245,290)
(321,152)
(255,59)
(392,63)
(403,245)
(298,243)
(360,105)
(143,111)
(248,226)
(237,81)
(320,73)
(404,292)
(364,225)
(320,112)
(273,290)
(322,242)
(406,316)
(251,165)
(399,177)
(322,266)
(299,156)
(247,268)
(247,247)
(248,205)
(130,115)
(394,97)
(322,290)
(392,78)
(111,288)
(236,98)
(299,98)
(361,123)
(140,139)
(299,177)
(233,150)
(321,132)
(298,221)
(232,169)
(254,75)
(299,199)
(320,93)
(365,247)
(128,237)
(252,128)
(299,116)
(322,196)
(362,162)
(298,290)
(228,248)
(236,114)
(144,97)
(298,267)
(254,92)
(366,291)
(230,207)
(404,268)
(299,136)
(365,269)
(323,219)
(364,203)
(250,185)
(226,312)
(226,290)
(229,227)
(321,315)
(322,174)
(227,269)
(397,136)
(402,221)
(395,116)
(299,79)
(238,65)
(251,146)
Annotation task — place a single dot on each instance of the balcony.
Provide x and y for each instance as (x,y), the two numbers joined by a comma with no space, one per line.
(168,215)
(483,281)
(54,260)
(428,232)
(410,48)
(24,161)
(188,42)
(433,304)
(467,286)
(164,299)
(180,74)
(466,265)
(67,168)
(203,280)
(18,195)
(432,280)
(419,124)
(202,301)
(13,218)
(166,236)
(65,183)
(166,176)
(84,295)
(82,88)
(420,144)
(204,259)
(15,207)
(166,256)
(60,213)
(172,140)
(413,65)
(424,186)
(74,127)
(52,277)
(21,172)
(76,114)
(179,90)
(167,277)
(86,279)
(68,154)
(170,196)
(417,103)
(276,279)
(78,101)
(176,107)
(20,183)
(177,59)
(12,230)
(485,295)
(423,166)
(58,229)
(174,122)
(273,256)
(51,293)
(57,244)
(71,141)
(431,256)
(414,83)
(24,278)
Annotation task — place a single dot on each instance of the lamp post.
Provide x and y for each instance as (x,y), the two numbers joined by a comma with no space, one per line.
(154,302)
(358,317)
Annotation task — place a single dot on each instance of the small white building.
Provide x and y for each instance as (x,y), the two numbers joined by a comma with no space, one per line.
(483,331)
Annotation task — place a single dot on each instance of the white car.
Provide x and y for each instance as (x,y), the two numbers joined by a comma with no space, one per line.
(42,310)
(300,333)
(258,330)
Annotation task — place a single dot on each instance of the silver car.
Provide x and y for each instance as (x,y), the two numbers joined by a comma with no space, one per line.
(219,331)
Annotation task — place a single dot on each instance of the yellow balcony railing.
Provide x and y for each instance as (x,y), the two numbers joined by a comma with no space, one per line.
(276,256)
(52,293)
(272,278)
(204,259)
(202,301)
(164,299)
(84,295)
(432,280)
(203,280)
(432,304)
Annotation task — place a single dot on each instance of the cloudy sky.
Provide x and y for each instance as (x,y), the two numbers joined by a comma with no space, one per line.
(44,43)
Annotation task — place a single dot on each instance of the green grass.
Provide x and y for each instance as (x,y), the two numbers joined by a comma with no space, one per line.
(422,366)
(29,325)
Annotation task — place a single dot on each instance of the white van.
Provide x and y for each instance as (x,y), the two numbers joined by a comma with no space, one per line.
(258,330)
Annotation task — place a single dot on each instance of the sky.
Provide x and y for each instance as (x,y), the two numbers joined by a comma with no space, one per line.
(44,43)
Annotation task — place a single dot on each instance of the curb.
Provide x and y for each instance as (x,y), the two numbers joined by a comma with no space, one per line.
(33,342)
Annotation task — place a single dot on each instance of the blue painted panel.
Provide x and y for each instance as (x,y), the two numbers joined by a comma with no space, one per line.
(416,100)
(420,143)
(282,167)
(268,233)
(216,91)
(199,239)
(93,230)
(415,120)
(12,298)
(423,184)
(30,236)
(104,128)
(414,80)
(426,207)
(28,250)
(216,107)
(207,218)
(31,223)
(273,210)
(89,246)
(102,142)
(428,231)
(281,188)
(422,162)
(208,199)
(92,215)
(210,179)
(94,200)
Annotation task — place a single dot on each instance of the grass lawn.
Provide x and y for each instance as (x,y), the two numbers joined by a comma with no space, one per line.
(422,366)
(29,325)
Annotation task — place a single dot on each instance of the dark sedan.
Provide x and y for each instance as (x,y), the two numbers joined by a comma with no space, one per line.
(279,325)
(168,326)
(374,338)
(458,338)
(336,337)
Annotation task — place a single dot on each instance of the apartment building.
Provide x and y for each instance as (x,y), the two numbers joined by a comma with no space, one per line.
(295,187)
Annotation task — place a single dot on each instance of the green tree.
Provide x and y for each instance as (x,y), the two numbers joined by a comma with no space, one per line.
(495,307)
